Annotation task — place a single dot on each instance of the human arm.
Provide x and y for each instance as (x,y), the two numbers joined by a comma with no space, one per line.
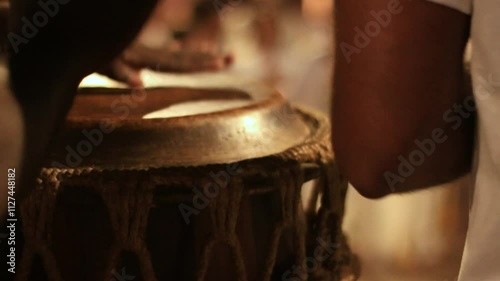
(47,65)
(395,91)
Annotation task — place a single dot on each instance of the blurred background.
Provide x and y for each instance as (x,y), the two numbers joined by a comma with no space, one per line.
(288,43)
(417,236)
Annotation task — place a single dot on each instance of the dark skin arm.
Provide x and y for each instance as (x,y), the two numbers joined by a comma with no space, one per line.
(46,66)
(395,91)
(80,38)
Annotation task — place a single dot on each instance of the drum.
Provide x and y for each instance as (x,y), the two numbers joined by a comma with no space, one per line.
(187,183)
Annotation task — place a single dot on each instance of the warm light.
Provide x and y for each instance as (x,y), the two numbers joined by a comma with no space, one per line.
(317,10)
(97,80)
(191,108)
(250,124)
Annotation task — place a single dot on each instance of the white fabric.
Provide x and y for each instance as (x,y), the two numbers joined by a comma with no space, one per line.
(481,260)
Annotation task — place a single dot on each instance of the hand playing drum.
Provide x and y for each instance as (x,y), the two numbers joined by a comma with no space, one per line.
(196,182)
(155,47)
(55,45)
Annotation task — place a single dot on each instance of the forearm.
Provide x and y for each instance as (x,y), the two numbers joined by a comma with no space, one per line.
(46,67)
(44,106)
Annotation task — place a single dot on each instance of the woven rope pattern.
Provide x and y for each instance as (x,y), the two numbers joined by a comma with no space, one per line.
(128,196)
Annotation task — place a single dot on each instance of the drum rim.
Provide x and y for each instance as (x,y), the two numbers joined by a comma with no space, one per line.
(264,96)
(267,126)
(318,139)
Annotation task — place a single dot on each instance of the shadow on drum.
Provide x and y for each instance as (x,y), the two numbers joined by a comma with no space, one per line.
(208,196)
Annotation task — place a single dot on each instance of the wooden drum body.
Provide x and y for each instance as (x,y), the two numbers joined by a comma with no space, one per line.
(188,184)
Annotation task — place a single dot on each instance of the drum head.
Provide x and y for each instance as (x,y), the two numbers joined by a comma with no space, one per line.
(184,120)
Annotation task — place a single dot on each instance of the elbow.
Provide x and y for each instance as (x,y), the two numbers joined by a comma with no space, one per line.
(368,182)
(370,189)
(367,173)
